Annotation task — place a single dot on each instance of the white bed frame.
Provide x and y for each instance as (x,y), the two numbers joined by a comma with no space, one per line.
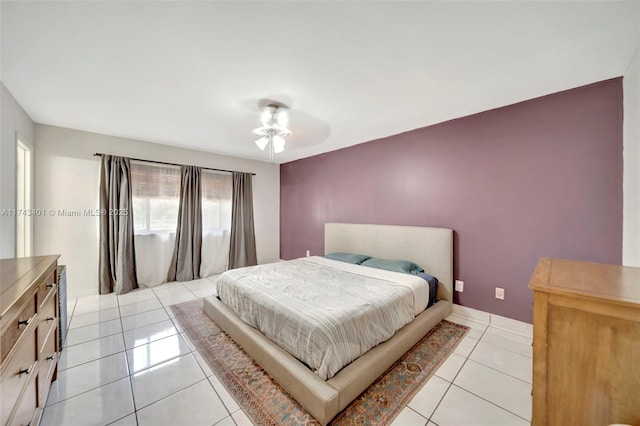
(432,248)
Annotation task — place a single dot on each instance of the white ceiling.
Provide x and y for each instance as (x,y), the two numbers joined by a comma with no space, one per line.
(192,74)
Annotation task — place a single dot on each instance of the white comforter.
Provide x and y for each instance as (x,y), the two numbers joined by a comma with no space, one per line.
(324,312)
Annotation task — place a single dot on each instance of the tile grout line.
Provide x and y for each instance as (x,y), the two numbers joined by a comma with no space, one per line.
(119,332)
(135,302)
(95,359)
(166,311)
(172,393)
(91,340)
(141,312)
(222,420)
(86,391)
(500,347)
(151,341)
(506,349)
(468,358)
(89,325)
(456,375)
(409,408)
(229,414)
(500,371)
(151,323)
(121,418)
(126,358)
(70,316)
(490,402)
(93,388)
(165,308)
(129,373)
(216,391)
(98,308)
(163,361)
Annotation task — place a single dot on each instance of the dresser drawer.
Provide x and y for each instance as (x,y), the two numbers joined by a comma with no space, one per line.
(47,360)
(17,326)
(47,317)
(27,405)
(17,372)
(46,286)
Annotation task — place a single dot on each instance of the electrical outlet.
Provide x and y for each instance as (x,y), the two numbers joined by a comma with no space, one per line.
(308,253)
(459,286)
(499,293)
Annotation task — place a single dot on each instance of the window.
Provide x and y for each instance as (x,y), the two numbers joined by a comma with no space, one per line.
(155,197)
(216,200)
(24,221)
(217,191)
(156,200)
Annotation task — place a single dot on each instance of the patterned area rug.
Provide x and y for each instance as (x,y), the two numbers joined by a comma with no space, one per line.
(266,403)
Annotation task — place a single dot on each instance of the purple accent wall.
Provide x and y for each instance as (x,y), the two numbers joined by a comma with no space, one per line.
(538,178)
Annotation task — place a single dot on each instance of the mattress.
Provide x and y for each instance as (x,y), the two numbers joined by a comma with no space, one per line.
(325,313)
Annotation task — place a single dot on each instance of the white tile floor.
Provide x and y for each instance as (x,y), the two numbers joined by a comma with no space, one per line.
(126,362)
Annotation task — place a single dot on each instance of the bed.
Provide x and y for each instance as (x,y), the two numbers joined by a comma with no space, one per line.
(323,399)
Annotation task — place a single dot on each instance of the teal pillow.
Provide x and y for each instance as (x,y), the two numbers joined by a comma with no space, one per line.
(393,265)
(356,259)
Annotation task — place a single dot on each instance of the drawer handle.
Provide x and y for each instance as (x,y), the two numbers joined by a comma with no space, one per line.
(49,358)
(24,322)
(50,285)
(24,371)
(50,318)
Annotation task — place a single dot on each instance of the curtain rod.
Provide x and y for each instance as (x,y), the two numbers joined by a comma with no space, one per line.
(100,154)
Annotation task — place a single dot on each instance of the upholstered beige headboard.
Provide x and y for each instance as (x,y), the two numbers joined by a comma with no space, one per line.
(431,248)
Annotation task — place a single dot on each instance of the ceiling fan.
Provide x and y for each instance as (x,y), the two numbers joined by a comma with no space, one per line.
(273,129)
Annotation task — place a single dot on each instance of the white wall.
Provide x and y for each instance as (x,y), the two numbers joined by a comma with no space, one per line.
(631,185)
(68,177)
(15,122)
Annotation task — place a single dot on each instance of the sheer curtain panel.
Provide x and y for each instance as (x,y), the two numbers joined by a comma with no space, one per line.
(185,263)
(156,195)
(216,221)
(117,265)
(242,250)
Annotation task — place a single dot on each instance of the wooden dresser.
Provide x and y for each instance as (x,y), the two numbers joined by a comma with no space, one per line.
(29,337)
(586,343)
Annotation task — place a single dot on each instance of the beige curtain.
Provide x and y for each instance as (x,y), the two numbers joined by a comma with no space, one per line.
(242,250)
(117,267)
(185,264)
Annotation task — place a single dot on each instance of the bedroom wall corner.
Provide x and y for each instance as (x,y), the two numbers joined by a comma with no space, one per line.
(15,122)
(631,186)
(67,178)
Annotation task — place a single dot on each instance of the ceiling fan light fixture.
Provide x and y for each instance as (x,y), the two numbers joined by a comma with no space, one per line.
(273,128)
(278,144)
(262,143)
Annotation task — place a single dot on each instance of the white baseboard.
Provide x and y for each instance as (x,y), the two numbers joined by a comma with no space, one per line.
(494,320)
(509,324)
(474,314)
